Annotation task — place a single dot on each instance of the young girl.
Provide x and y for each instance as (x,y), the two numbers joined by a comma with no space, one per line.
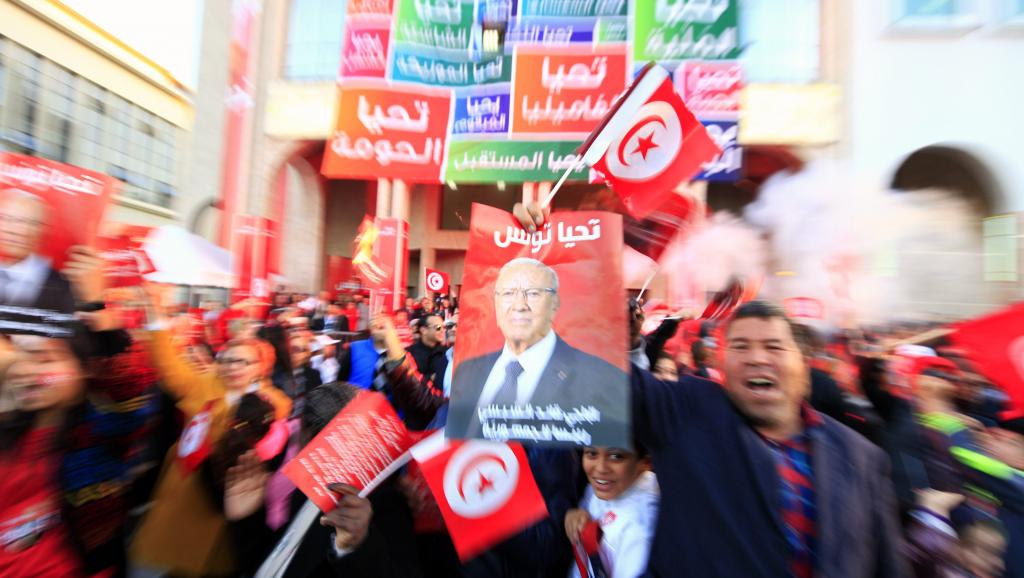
(622,498)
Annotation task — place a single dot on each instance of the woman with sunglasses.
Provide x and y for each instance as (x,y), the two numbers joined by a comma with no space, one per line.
(185,532)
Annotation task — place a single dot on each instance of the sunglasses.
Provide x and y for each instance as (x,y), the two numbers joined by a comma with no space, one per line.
(230,361)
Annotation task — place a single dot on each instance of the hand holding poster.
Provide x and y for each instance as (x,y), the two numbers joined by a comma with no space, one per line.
(550,374)
(360,446)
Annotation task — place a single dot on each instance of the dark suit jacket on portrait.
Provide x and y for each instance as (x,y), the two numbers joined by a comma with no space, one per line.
(572,378)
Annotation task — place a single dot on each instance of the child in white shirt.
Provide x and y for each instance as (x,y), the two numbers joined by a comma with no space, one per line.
(623,497)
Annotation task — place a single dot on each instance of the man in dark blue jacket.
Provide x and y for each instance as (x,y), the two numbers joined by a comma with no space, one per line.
(755,482)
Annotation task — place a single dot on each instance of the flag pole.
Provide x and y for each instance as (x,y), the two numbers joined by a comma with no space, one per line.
(650,277)
(551,195)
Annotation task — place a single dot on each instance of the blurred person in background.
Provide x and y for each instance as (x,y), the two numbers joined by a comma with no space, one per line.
(352,314)
(403,328)
(184,532)
(665,368)
(363,322)
(703,361)
(939,548)
(297,376)
(319,312)
(428,350)
(326,358)
(362,537)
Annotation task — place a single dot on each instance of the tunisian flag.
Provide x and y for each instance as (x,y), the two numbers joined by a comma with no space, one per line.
(437,281)
(648,143)
(995,343)
(485,490)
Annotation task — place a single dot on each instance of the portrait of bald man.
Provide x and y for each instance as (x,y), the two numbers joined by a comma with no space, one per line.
(535,366)
(27,278)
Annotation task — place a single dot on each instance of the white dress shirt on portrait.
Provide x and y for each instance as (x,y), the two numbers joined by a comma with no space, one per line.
(22,282)
(534,361)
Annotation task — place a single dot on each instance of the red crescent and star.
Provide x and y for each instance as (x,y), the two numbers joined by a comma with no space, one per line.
(644,144)
(485,483)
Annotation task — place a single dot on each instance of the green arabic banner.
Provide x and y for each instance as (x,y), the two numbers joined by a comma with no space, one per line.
(511,161)
(675,30)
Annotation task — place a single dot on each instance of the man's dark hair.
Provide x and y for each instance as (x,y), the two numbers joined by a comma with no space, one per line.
(426,319)
(322,404)
(763,310)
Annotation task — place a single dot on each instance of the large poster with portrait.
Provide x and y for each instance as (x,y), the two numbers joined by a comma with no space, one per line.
(541,356)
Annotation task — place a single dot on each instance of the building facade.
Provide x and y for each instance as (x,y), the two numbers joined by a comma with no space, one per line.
(894,87)
(72,93)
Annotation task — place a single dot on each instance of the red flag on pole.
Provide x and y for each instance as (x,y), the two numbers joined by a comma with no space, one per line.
(437,281)
(995,343)
(485,490)
(648,143)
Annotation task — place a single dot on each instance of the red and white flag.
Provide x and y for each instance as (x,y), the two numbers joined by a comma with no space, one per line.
(995,343)
(437,281)
(649,143)
(485,490)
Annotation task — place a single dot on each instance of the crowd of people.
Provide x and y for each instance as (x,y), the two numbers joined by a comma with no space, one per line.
(139,438)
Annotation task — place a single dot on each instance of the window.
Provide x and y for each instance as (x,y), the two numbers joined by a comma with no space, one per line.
(943,16)
(781,40)
(456,202)
(1000,237)
(58,93)
(313,47)
(925,8)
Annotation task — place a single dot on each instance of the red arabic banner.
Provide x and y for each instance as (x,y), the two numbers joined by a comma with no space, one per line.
(711,88)
(391,132)
(565,90)
(239,102)
(250,247)
(364,48)
(75,201)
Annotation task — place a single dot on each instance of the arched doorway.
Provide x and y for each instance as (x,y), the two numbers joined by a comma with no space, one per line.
(951,169)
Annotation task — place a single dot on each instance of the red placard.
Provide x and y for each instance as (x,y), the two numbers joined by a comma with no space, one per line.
(75,200)
(567,90)
(711,89)
(804,308)
(360,442)
(573,265)
(124,261)
(392,132)
(364,49)
(339,273)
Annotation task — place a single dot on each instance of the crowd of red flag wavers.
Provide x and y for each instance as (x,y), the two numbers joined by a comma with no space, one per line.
(137,436)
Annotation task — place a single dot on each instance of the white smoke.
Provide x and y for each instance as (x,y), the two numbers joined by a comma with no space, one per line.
(714,252)
(867,253)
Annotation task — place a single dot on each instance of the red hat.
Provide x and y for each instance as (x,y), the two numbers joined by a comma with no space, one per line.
(923,364)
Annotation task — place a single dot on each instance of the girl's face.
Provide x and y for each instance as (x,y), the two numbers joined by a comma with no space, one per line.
(47,376)
(612,471)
